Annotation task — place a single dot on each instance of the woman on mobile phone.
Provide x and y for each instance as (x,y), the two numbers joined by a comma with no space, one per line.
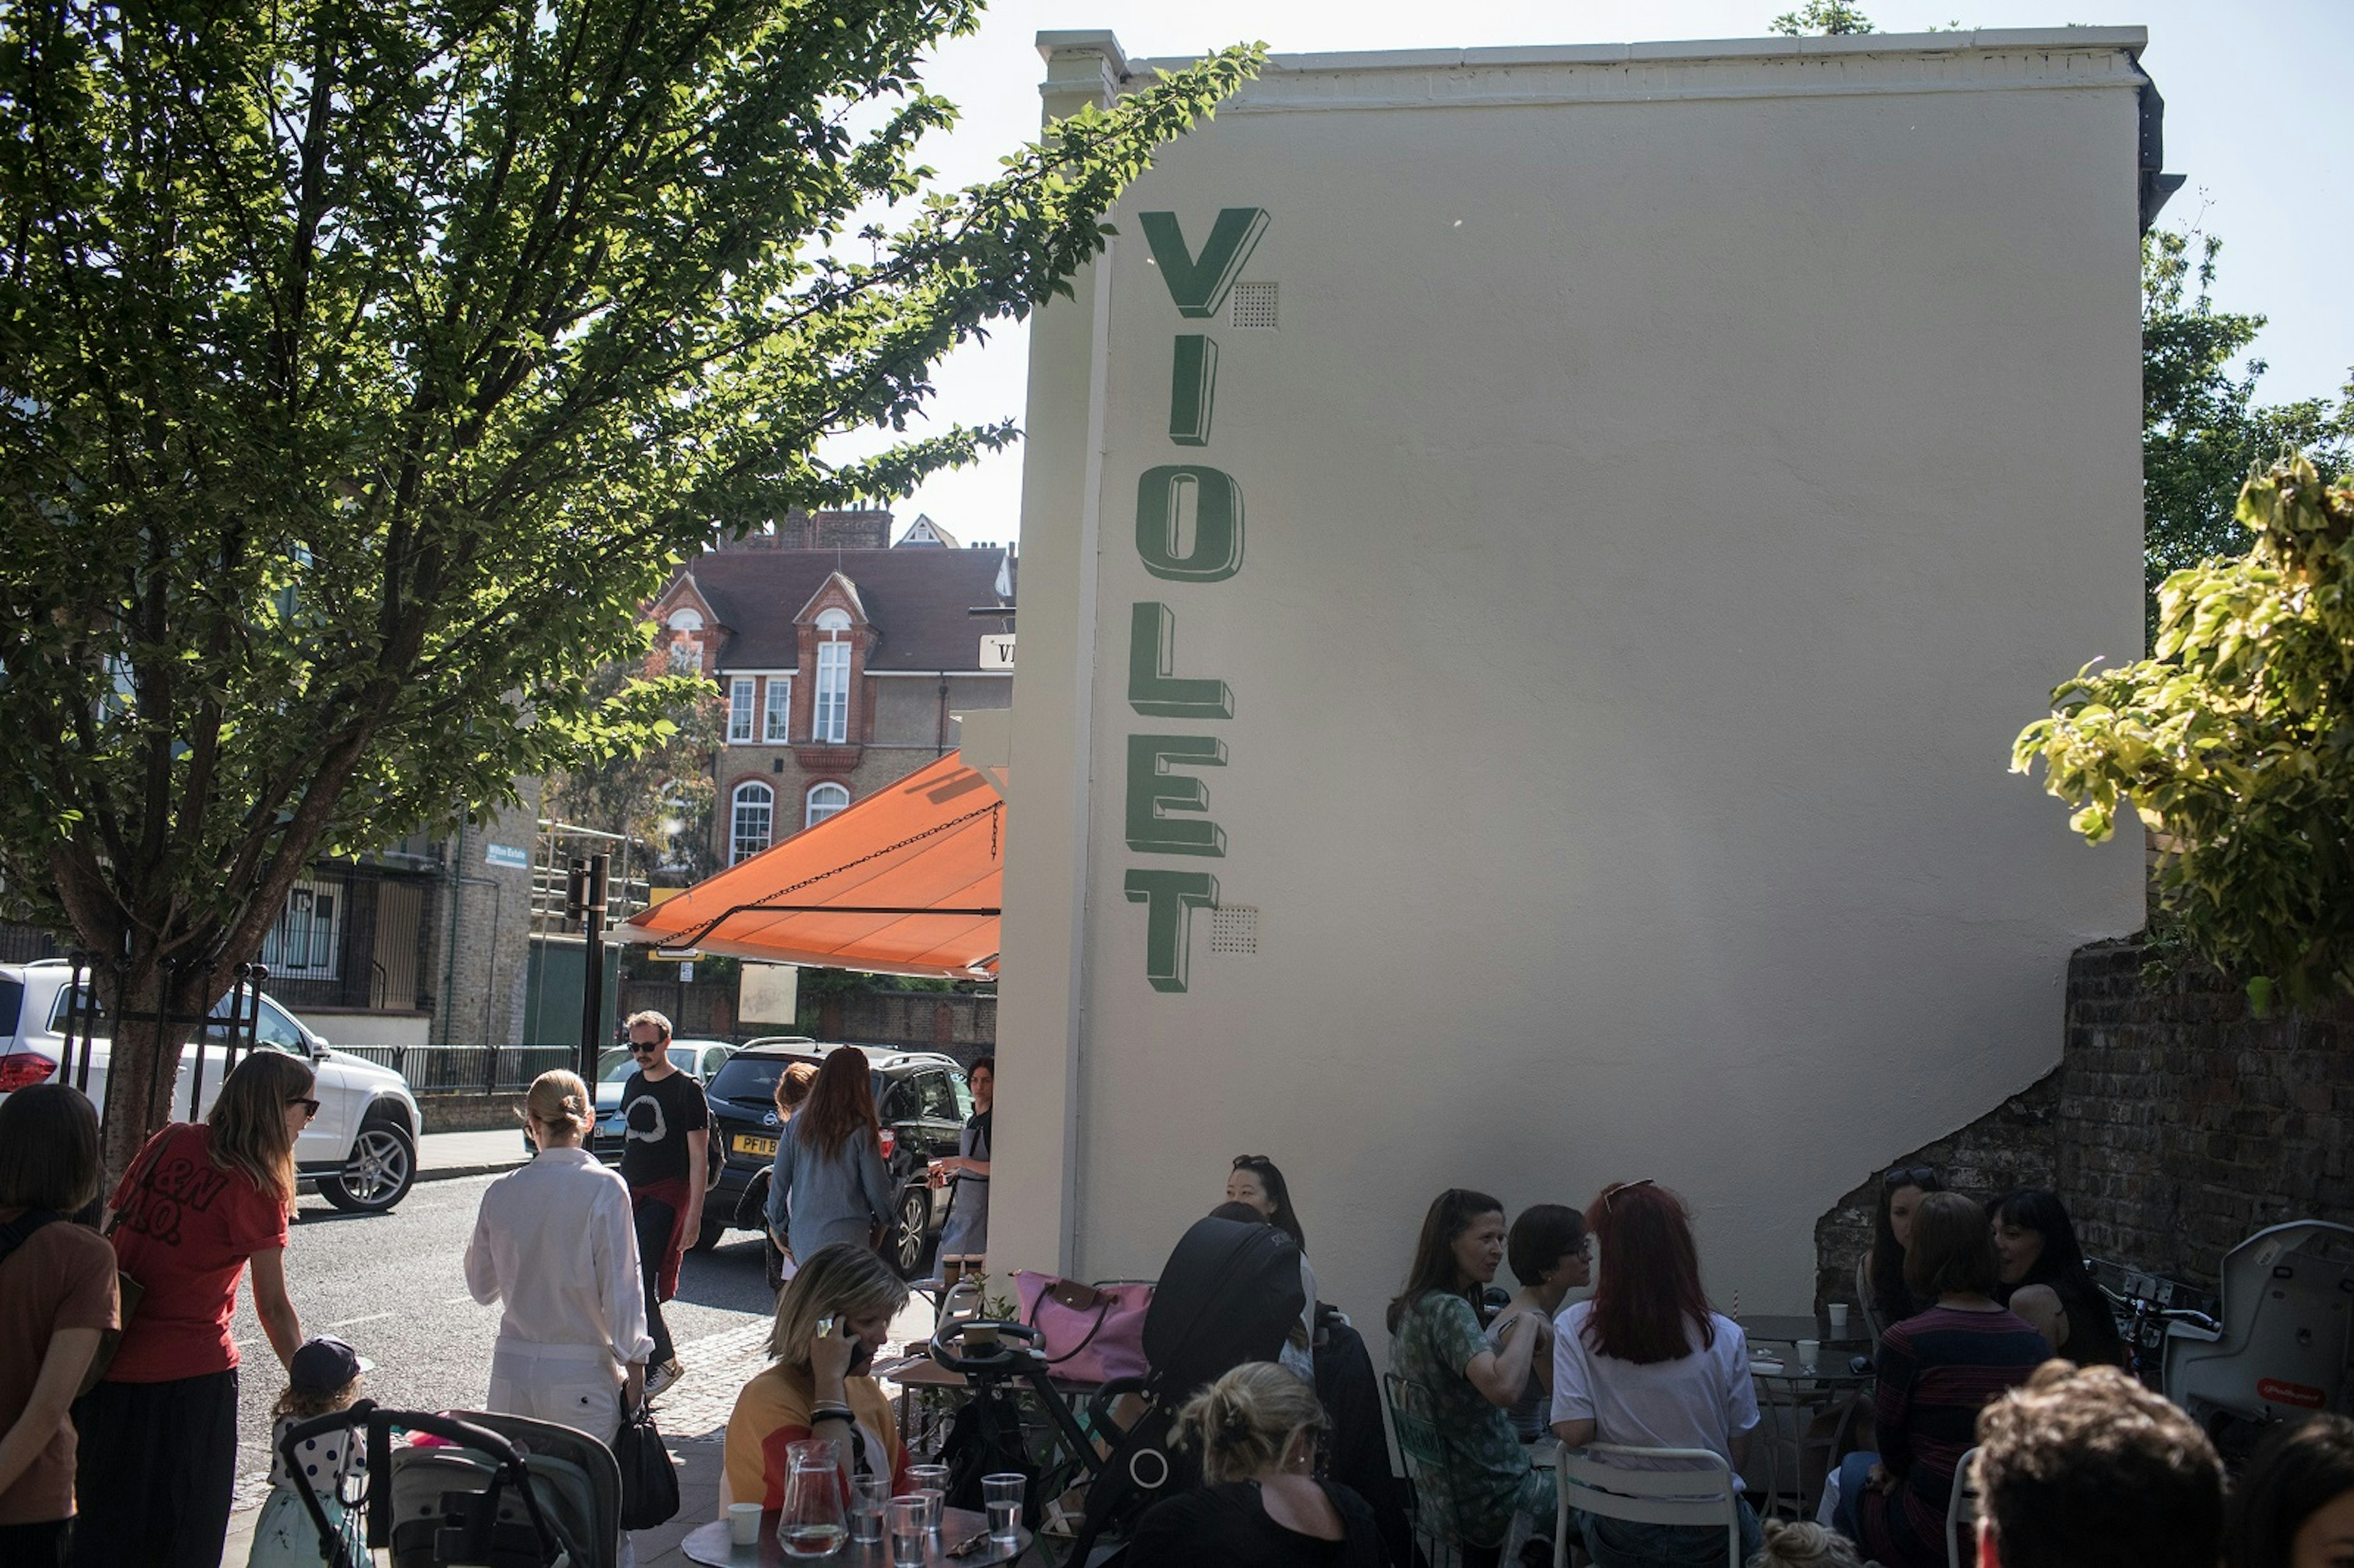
(830,1320)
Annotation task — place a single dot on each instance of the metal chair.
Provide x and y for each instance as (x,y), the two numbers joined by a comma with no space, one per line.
(1422,1443)
(1699,1494)
(1962,1512)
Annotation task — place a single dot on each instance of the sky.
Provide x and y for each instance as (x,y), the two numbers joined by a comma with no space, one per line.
(2253,120)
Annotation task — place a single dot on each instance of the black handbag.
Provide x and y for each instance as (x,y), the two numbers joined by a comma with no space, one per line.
(648,1481)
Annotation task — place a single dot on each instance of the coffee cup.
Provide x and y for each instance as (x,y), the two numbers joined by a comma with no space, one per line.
(1838,1311)
(744,1523)
(1810,1354)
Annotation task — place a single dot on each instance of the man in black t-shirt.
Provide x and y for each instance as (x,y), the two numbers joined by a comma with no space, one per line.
(666,1138)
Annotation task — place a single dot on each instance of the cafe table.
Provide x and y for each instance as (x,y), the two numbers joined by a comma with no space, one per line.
(1790,1399)
(709,1544)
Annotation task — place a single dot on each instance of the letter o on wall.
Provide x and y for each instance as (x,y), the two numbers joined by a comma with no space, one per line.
(1216,551)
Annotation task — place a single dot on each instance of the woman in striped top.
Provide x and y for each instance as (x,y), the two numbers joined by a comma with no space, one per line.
(1937,1370)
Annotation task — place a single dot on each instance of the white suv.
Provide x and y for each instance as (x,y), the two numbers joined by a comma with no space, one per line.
(361,1148)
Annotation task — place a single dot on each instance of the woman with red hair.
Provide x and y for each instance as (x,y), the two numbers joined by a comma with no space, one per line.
(1646,1363)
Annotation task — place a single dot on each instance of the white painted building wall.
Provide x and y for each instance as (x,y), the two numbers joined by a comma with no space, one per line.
(1675,475)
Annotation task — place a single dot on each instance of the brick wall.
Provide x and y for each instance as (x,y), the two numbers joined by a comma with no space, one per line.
(2175,1125)
(2008,1147)
(2185,1124)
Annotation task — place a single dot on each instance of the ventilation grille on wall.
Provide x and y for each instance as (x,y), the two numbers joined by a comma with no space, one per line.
(1234,929)
(1254,305)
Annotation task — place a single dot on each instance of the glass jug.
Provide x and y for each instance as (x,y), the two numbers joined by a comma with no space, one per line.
(813,1524)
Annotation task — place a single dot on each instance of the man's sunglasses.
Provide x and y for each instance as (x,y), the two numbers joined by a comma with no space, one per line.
(309,1107)
(1909,1176)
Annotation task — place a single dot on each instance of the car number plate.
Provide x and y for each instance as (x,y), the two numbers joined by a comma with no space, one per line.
(749,1143)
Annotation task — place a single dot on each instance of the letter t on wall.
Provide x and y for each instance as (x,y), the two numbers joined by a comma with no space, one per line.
(1169,898)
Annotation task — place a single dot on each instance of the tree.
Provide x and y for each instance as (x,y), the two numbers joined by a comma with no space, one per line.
(2236,742)
(364,368)
(2202,432)
(660,795)
(1830,18)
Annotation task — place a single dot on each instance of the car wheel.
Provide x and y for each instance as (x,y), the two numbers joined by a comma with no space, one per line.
(915,1213)
(380,1170)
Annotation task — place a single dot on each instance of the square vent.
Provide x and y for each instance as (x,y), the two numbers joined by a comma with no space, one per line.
(1254,306)
(1234,930)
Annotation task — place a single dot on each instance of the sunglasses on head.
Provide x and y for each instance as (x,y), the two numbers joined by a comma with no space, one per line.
(1908,1176)
(1251,1161)
(1610,1196)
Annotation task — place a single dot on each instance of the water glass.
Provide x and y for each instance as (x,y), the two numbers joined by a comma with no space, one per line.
(929,1482)
(910,1536)
(1004,1493)
(812,1524)
(868,1498)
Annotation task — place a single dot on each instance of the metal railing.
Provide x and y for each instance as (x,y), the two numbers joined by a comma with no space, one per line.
(476,1069)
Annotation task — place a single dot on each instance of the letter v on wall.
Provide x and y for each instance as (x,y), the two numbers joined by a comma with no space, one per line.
(1200,284)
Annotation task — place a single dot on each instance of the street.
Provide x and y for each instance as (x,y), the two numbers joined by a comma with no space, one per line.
(394,1285)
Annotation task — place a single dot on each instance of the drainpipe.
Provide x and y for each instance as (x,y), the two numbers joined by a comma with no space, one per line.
(941,743)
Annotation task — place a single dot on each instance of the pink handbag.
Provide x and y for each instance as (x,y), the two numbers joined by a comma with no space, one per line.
(1091,1334)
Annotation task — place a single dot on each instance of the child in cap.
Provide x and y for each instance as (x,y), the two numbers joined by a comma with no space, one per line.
(324,1376)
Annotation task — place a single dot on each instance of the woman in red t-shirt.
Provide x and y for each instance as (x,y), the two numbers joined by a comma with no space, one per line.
(158,1457)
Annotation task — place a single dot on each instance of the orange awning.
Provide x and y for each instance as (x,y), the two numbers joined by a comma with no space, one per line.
(905,881)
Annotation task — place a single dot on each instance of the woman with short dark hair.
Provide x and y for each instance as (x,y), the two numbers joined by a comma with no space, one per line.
(2044,1280)
(56,1297)
(964,1239)
(1547,1248)
(1937,1370)
(2294,1507)
(201,1204)
(1647,1364)
(1435,1343)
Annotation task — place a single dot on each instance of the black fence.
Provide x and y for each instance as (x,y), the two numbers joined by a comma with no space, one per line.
(477,1069)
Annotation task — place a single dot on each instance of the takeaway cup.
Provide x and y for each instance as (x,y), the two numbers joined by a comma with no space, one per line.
(1810,1354)
(744,1523)
(1838,1311)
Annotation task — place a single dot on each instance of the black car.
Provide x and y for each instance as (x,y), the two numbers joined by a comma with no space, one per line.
(922,1097)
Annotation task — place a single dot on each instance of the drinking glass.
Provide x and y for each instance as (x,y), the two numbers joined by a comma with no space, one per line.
(909,1534)
(929,1482)
(867,1500)
(1004,1493)
(812,1524)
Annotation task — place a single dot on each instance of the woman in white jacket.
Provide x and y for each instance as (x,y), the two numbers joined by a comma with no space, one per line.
(554,1244)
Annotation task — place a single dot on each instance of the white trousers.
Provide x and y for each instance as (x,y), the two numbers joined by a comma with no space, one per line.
(579,1387)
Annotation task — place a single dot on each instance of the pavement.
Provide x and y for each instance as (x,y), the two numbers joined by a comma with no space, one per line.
(394,1285)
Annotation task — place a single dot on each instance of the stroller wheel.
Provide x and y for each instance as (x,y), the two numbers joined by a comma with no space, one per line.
(1152,1459)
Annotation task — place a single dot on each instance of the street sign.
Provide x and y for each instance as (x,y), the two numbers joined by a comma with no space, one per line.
(506,855)
(997,651)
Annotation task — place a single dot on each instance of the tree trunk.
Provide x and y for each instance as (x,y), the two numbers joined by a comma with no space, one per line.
(144,1058)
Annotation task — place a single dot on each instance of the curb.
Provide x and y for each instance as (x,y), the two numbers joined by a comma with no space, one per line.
(453,1172)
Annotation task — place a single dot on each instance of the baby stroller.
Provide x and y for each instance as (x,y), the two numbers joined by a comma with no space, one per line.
(485,1491)
(1230,1294)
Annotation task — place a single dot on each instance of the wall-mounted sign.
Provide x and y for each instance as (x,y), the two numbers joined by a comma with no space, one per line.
(997,651)
(506,855)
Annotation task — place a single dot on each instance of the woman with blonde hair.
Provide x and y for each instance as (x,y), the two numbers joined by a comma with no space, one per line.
(832,1319)
(201,1203)
(1261,1506)
(1789,1545)
(830,1184)
(554,1245)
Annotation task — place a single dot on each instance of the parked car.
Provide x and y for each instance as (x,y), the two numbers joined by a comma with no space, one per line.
(923,1102)
(360,1150)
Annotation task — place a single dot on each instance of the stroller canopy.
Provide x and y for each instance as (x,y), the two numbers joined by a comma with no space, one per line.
(1229,1293)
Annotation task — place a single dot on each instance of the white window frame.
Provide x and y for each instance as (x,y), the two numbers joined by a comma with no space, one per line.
(830,714)
(751,796)
(777,710)
(814,810)
(739,710)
